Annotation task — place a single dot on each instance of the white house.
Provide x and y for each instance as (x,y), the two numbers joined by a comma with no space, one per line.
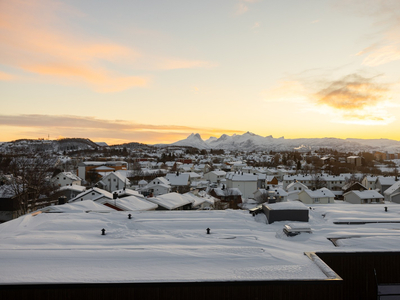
(383,183)
(215,176)
(156,187)
(66,178)
(364,197)
(321,196)
(172,201)
(331,182)
(296,186)
(369,182)
(178,179)
(246,183)
(92,194)
(114,181)
(391,191)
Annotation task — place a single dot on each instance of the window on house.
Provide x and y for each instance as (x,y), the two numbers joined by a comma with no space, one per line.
(114,179)
(93,194)
(64,178)
(58,178)
(316,200)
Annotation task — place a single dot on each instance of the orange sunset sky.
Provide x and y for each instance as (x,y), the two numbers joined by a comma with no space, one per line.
(156,71)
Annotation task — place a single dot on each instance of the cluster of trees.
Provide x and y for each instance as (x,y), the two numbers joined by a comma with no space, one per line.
(29,181)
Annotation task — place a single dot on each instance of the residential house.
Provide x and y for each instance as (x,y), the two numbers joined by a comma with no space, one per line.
(363,197)
(246,183)
(270,179)
(70,191)
(296,186)
(114,181)
(172,201)
(94,194)
(383,183)
(215,176)
(156,187)
(229,197)
(264,195)
(66,178)
(92,167)
(353,186)
(392,191)
(129,203)
(320,196)
(369,182)
(179,181)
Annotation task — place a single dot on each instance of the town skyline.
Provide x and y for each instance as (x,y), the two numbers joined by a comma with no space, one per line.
(156,72)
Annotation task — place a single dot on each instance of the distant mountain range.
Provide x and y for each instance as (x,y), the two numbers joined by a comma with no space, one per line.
(250,141)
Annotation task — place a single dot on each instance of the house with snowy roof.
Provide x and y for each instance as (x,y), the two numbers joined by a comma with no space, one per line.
(94,194)
(114,181)
(128,203)
(353,186)
(230,197)
(320,196)
(215,176)
(296,186)
(199,202)
(278,194)
(383,183)
(363,197)
(66,178)
(369,182)
(172,201)
(392,193)
(156,187)
(179,181)
(246,183)
(69,191)
(86,167)
(142,183)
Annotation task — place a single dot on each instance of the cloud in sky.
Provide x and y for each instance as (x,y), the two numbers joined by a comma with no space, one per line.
(356,99)
(243,6)
(99,129)
(386,47)
(353,98)
(37,37)
(352,92)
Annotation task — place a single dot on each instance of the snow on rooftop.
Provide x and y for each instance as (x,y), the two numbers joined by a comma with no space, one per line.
(132,203)
(320,193)
(74,187)
(172,246)
(368,194)
(171,200)
(290,205)
(79,206)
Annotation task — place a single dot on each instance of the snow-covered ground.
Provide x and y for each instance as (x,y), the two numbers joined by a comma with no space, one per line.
(172,246)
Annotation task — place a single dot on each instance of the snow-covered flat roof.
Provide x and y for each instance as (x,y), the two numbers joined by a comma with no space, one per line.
(291,205)
(171,200)
(132,203)
(172,246)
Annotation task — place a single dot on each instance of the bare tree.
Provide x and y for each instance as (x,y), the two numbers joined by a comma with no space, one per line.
(31,182)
